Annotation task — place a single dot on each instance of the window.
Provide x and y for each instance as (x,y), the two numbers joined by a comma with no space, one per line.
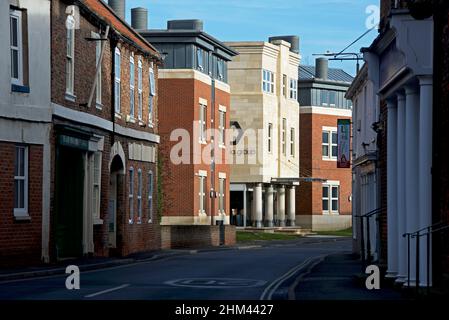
(221,127)
(293,89)
(268,81)
(324,98)
(70,56)
(221,195)
(150,196)
(284,129)
(139,90)
(270,137)
(131,195)
(332,97)
(203,114)
(330,198)
(96,185)
(151,97)
(220,67)
(329,143)
(139,196)
(117,61)
(16,47)
(21,181)
(131,87)
(292,142)
(199,59)
(348,104)
(97,60)
(202,194)
(284,85)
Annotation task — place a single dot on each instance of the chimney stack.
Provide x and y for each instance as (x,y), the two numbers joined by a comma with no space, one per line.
(119,7)
(293,40)
(139,18)
(321,68)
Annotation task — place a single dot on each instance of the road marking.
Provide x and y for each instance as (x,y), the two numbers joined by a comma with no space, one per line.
(267,294)
(249,247)
(106,291)
(216,283)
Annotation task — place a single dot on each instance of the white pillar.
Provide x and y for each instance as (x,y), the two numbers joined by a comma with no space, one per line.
(257,205)
(392,219)
(412,171)
(244,207)
(269,191)
(291,206)
(425,168)
(401,190)
(281,206)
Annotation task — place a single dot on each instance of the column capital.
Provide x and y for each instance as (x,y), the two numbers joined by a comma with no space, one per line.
(411,90)
(391,102)
(426,80)
(400,95)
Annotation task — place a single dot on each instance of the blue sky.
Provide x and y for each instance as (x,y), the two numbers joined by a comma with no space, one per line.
(321,25)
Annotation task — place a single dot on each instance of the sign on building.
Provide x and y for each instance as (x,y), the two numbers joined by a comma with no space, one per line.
(343,140)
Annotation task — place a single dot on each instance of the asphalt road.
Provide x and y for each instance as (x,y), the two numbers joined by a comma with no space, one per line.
(251,273)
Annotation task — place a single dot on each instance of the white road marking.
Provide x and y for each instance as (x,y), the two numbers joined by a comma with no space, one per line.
(106,291)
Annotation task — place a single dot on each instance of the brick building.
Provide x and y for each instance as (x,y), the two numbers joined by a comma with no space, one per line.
(324,195)
(25,122)
(105,135)
(194,96)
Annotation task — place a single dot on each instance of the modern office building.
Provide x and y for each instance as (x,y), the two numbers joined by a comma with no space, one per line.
(324,195)
(265,115)
(194,95)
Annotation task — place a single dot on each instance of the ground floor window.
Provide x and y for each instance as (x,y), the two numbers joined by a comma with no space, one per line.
(330,198)
(202,194)
(221,195)
(21,181)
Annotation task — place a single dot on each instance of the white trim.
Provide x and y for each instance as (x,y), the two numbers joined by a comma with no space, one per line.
(17,15)
(202,173)
(117,80)
(92,120)
(139,195)
(202,101)
(184,74)
(150,196)
(221,108)
(333,182)
(131,195)
(70,56)
(132,82)
(329,131)
(220,85)
(222,175)
(326,111)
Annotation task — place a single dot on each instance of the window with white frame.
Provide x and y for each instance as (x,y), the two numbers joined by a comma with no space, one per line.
(221,195)
(330,198)
(202,122)
(16,46)
(150,196)
(21,181)
(283,136)
(131,87)
(284,85)
(131,195)
(151,97)
(202,193)
(292,142)
(293,89)
(117,76)
(268,81)
(270,137)
(139,196)
(329,143)
(97,59)
(70,64)
(221,127)
(96,185)
(139,90)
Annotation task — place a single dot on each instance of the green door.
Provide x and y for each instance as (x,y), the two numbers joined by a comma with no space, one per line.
(69,189)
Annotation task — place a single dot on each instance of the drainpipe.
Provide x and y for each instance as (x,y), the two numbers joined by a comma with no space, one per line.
(212,165)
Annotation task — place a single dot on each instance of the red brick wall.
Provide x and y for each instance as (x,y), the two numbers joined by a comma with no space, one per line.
(309,194)
(20,241)
(179,101)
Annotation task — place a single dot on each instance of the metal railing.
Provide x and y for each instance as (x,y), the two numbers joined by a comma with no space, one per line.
(428,232)
(367,216)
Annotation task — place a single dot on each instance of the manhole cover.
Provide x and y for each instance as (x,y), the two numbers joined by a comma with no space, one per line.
(215,283)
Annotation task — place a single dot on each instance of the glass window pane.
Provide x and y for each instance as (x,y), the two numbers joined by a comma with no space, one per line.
(16,193)
(334,151)
(334,137)
(14,63)
(14,31)
(326,151)
(21,193)
(331,97)
(334,205)
(325,137)
(334,192)
(325,192)
(17,162)
(325,205)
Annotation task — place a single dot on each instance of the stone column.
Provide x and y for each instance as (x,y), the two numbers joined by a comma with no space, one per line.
(291,210)
(392,218)
(257,205)
(269,195)
(412,170)
(281,206)
(425,169)
(400,166)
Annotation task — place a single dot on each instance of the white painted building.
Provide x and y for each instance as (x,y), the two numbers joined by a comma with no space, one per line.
(25,122)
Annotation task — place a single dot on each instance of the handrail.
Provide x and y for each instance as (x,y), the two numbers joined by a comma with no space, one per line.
(367,215)
(430,230)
